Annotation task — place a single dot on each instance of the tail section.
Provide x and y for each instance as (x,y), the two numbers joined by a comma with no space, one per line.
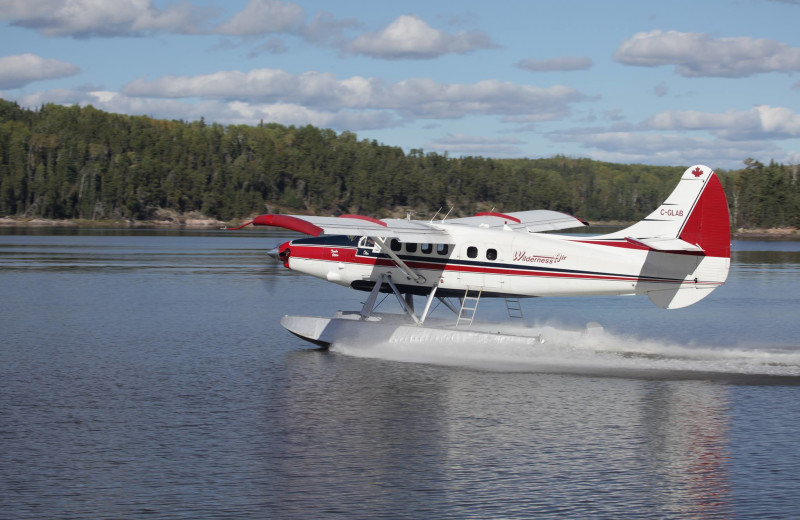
(696,212)
(689,235)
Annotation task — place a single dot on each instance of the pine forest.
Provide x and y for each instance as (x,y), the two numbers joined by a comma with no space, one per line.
(76,162)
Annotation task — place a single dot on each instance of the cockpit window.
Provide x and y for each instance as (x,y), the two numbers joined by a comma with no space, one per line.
(395,245)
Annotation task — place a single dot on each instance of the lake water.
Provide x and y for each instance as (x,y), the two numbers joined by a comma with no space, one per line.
(144,374)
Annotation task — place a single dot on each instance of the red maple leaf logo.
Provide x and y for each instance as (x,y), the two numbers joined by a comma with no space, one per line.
(697,172)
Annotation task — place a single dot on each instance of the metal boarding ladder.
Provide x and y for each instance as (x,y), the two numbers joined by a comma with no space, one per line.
(469,305)
(514,308)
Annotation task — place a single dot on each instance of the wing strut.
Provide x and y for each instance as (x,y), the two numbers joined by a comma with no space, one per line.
(402,265)
(369,305)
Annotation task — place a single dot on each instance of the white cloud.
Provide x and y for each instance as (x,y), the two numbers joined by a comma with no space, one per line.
(273,17)
(698,54)
(264,17)
(225,112)
(86,18)
(103,18)
(761,122)
(19,70)
(417,98)
(470,145)
(409,37)
(670,149)
(686,137)
(566,63)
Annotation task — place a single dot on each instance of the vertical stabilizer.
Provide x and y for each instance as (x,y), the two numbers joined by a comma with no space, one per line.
(708,224)
(696,212)
(689,240)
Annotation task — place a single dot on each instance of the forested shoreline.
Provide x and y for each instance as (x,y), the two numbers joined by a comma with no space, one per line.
(81,163)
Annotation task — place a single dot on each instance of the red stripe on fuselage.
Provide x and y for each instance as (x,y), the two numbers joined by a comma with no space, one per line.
(349,255)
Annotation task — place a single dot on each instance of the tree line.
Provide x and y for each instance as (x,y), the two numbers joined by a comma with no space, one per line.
(83,163)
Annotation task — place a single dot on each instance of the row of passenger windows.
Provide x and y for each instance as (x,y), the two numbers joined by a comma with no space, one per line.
(441,249)
(472,252)
(424,248)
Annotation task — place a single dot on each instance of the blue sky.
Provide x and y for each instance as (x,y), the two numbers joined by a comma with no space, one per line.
(673,83)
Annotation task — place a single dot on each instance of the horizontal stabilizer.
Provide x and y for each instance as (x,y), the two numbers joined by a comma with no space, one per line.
(666,245)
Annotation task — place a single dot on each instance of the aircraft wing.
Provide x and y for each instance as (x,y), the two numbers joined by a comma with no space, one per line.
(358,225)
(418,230)
(532,221)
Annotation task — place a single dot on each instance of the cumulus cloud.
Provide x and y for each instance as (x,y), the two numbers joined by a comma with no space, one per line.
(417,98)
(470,145)
(225,112)
(686,137)
(667,148)
(264,17)
(566,63)
(87,18)
(760,122)
(273,17)
(409,37)
(22,69)
(698,55)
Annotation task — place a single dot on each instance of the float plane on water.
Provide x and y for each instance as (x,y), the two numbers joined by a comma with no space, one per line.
(676,256)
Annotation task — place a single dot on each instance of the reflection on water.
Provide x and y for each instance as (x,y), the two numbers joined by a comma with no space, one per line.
(145,374)
(467,444)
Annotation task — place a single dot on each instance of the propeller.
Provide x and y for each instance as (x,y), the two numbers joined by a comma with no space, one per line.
(275,254)
(271,269)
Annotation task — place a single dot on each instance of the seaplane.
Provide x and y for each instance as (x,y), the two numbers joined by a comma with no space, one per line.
(676,256)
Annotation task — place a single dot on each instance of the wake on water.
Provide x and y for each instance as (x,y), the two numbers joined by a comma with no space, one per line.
(597,352)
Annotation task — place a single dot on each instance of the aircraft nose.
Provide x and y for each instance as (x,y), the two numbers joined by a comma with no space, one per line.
(281,253)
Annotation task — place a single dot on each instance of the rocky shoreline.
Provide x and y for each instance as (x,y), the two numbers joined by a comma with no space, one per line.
(189,223)
(768,233)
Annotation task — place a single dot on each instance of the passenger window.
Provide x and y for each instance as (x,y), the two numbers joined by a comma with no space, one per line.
(395,245)
(491,254)
(426,248)
(411,247)
(441,249)
(472,252)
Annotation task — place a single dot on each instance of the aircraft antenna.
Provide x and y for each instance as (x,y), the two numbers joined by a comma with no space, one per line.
(434,215)
(448,214)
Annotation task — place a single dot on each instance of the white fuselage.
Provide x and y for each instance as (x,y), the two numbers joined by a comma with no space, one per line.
(509,263)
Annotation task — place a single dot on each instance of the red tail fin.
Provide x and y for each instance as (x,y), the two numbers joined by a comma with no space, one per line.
(708,225)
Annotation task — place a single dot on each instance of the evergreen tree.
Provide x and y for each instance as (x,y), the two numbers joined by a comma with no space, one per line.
(80,162)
